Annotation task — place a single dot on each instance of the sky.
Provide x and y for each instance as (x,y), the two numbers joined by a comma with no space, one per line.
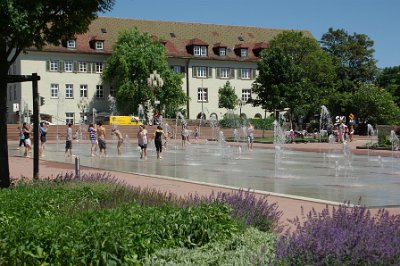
(378,19)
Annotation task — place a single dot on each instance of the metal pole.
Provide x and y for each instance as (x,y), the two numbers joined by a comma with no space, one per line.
(77,167)
(35,95)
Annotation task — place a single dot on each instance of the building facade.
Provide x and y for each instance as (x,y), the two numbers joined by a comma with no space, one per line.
(208,55)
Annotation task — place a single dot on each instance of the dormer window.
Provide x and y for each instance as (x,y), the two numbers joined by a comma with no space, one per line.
(199,50)
(244,52)
(99,45)
(71,44)
(222,51)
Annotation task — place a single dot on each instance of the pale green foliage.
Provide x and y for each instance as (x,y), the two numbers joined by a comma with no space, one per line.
(375,105)
(227,97)
(253,247)
(136,55)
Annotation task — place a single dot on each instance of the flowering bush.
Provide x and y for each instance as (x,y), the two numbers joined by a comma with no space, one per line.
(247,207)
(344,236)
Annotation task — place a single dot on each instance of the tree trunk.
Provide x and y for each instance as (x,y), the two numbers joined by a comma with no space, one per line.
(5,170)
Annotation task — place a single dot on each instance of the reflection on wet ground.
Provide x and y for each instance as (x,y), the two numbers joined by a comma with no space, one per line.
(333,176)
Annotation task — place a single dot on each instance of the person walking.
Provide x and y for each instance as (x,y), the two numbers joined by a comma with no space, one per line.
(68,141)
(93,139)
(351,133)
(158,136)
(101,138)
(21,137)
(26,130)
(120,140)
(43,133)
(142,141)
(250,136)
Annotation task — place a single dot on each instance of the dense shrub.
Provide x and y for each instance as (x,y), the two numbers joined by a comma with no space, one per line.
(232,121)
(343,236)
(266,124)
(253,247)
(78,223)
(247,207)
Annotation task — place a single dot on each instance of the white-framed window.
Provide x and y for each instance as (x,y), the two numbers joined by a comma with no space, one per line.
(244,52)
(246,95)
(99,67)
(99,91)
(83,91)
(245,73)
(68,66)
(69,91)
(53,65)
(222,51)
(71,44)
(99,45)
(200,50)
(54,90)
(15,91)
(83,66)
(202,94)
(224,72)
(9,93)
(69,118)
(201,72)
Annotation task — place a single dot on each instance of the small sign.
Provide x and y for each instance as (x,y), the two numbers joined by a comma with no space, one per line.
(15,107)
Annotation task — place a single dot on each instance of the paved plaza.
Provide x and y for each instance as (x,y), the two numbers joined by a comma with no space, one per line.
(220,176)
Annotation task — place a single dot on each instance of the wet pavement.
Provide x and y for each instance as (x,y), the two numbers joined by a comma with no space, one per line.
(319,172)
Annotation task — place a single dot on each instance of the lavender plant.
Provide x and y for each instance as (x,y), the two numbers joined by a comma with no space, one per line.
(253,210)
(342,236)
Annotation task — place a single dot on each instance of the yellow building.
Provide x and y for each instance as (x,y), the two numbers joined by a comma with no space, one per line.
(207,54)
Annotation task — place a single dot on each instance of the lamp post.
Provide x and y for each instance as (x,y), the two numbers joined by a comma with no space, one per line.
(155,81)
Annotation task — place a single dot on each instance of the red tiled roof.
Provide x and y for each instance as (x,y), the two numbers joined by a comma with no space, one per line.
(196,41)
(260,45)
(220,44)
(107,29)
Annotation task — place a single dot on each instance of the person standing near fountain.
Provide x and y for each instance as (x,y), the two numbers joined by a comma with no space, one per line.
(250,136)
(43,133)
(93,140)
(158,135)
(185,135)
(68,141)
(142,141)
(120,140)
(101,138)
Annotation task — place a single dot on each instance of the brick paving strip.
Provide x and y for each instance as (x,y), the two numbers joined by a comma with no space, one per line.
(289,205)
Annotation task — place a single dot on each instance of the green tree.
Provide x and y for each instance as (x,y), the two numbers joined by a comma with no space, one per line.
(375,105)
(25,24)
(389,79)
(136,55)
(353,56)
(227,97)
(294,73)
